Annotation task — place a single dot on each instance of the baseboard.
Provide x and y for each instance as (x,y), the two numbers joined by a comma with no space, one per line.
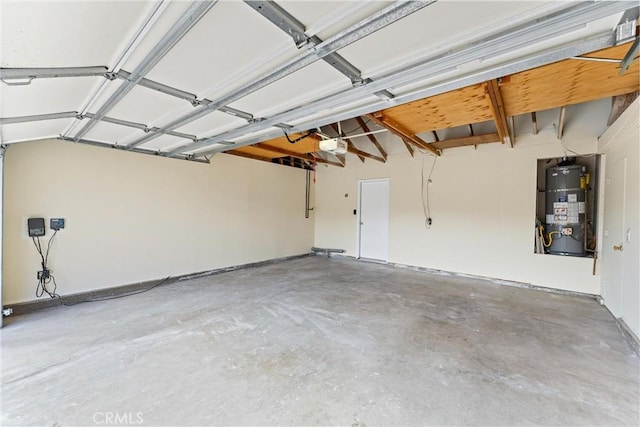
(122,290)
(631,337)
(504,282)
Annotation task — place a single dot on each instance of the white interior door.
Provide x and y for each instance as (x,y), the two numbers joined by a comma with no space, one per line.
(613,242)
(373,229)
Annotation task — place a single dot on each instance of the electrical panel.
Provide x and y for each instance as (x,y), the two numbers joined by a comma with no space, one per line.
(35,227)
(56,224)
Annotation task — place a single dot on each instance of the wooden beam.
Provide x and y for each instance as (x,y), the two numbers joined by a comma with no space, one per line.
(467,140)
(255,157)
(349,143)
(534,122)
(319,159)
(497,109)
(399,130)
(409,147)
(360,153)
(512,130)
(563,111)
(371,138)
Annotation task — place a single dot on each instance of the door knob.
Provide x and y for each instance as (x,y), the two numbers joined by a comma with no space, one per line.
(618,247)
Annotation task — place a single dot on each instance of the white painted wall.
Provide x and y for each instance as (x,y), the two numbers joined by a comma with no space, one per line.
(483,205)
(133,217)
(619,141)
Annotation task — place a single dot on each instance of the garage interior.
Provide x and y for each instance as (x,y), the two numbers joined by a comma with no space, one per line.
(320,213)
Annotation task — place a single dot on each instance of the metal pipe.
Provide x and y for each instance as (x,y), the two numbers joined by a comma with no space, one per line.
(307,194)
(38,117)
(195,12)
(45,73)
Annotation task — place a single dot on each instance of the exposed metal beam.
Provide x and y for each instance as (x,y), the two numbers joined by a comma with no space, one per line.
(137,150)
(193,14)
(631,56)
(296,29)
(151,84)
(135,125)
(38,117)
(363,28)
(40,73)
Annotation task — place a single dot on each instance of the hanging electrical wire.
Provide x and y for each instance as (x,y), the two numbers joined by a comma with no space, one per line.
(45,278)
(426,205)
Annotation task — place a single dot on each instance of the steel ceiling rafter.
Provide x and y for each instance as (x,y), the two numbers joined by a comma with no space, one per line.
(438,64)
(102,71)
(137,150)
(363,28)
(296,29)
(187,21)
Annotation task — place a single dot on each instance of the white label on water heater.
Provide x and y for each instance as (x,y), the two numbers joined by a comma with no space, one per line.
(549,219)
(581,207)
(573,197)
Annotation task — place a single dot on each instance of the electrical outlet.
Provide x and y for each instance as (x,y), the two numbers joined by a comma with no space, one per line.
(568,231)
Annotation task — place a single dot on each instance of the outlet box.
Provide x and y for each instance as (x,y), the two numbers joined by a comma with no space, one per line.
(56,223)
(35,227)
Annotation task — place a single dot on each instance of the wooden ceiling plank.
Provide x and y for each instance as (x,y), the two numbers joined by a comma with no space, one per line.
(371,138)
(399,130)
(570,82)
(466,141)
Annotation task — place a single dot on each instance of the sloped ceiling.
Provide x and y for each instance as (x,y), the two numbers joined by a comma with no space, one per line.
(187,80)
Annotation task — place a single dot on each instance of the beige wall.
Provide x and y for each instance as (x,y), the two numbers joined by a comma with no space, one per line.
(132,217)
(483,205)
(621,289)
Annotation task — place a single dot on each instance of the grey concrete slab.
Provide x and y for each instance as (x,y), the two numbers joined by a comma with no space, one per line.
(321,341)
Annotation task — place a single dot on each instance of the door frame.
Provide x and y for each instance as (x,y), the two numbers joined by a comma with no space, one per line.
(359,211)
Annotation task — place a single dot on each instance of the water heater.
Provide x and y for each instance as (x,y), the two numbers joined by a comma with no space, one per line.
(565,209)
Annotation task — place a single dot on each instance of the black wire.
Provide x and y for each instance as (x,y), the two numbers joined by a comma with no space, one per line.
(120,296)
(293,141)
(46,257)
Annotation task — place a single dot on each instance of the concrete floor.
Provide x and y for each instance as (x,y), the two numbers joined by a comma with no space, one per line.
(318,341)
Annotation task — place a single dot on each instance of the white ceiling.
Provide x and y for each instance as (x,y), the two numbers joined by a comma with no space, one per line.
(230,47)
